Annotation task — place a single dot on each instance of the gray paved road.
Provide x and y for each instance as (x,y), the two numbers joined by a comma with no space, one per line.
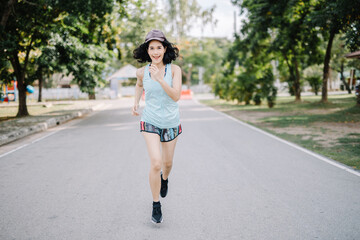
(90,181)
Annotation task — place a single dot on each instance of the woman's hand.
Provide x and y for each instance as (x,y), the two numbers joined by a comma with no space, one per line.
(134,110)
(155,72)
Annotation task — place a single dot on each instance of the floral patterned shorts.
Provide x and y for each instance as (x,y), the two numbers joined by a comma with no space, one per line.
(166,134)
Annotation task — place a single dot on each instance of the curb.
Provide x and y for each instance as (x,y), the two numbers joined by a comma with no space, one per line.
(42,126)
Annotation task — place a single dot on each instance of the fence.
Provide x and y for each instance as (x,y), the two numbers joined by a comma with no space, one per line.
(69,93)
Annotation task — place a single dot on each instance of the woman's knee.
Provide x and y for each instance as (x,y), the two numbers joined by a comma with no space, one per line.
(156,164)
(168,164)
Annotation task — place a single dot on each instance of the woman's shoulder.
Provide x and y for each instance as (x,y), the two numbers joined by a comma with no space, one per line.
(140,72)
(175,68)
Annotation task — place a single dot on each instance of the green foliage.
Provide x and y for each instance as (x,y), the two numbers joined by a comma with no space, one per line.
(243,88)
(334,17)
(247,73)
(143,16)
(338,16)
(246,86)
(221,86)
(86,62)
(267,89)
(257,99)
(27,38)
(5,74)
(278,32)
(352,35)
(296,29)
(315,83)
(206,53)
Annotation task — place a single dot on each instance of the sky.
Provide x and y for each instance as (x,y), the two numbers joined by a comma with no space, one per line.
(224,13)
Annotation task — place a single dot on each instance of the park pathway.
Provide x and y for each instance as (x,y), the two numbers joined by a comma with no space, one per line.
(89,180)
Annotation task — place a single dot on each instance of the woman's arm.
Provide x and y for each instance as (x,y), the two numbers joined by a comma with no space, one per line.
(138,90)
(174,92)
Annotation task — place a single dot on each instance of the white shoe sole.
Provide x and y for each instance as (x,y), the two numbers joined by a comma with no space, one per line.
(155,222)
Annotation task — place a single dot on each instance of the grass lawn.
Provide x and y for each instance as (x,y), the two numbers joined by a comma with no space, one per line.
(47,108)
(10,112)
(332,129)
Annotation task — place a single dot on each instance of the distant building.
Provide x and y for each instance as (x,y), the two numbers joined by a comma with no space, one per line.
(353,78)
(121,76)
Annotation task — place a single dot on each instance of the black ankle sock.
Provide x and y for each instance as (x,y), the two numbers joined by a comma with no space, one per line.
(156,203)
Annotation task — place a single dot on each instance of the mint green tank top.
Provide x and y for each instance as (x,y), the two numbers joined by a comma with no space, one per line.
(160,110)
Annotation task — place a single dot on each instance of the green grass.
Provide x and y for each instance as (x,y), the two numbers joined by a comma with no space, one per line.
(47,108)
(10,112)
(351,114)
(287,104)
(347,151)
(341,109)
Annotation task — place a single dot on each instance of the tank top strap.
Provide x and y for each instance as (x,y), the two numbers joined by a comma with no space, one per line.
(146,71)
(168,67)
(168,74)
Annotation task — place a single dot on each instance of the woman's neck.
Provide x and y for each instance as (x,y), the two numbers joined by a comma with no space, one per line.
(159,65)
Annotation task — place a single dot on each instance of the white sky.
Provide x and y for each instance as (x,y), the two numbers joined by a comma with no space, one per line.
(224,13)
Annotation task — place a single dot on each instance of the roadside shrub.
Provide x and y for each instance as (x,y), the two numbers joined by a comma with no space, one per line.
(268,90)
(315,83)
(221,86)
(271,97)
(257,99)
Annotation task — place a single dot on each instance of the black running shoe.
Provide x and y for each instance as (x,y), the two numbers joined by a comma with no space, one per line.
(156,213)
(164,187)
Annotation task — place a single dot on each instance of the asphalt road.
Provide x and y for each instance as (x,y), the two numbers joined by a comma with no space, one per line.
(89,180)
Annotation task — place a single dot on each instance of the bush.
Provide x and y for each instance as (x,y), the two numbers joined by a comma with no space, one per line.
(315,83)
(268,91)
(243,86)
(257,99)
(271,97)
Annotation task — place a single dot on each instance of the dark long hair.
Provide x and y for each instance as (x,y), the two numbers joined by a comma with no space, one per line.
(172,52)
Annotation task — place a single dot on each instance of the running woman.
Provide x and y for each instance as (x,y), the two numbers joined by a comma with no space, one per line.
(160,122)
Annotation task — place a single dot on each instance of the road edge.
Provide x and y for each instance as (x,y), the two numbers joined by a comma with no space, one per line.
(314,154)
(45,125)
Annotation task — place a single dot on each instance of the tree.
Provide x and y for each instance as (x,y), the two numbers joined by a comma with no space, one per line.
(6,11)
(94,30)
(247,74)
(28,26)
(216,49)
(85,62)
(338,61)
(142,17)
(24,31)
(184,14)
(334,17)
(191,56)
(284,25)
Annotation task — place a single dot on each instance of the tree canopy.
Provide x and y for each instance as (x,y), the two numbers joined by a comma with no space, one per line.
(285,38)
(27,27)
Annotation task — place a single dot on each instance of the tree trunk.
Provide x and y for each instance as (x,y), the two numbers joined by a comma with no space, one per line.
(20,77)
(40,86)
(92,95)
(342,78)
(188,76)
(297,87)
(6,12)
(22,110)
(324,97)
(292,75)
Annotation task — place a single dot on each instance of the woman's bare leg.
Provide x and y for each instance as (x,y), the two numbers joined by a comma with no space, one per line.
(168,149)
(153,146)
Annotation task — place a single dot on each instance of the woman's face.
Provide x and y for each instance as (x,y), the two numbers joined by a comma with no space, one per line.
(156,51)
